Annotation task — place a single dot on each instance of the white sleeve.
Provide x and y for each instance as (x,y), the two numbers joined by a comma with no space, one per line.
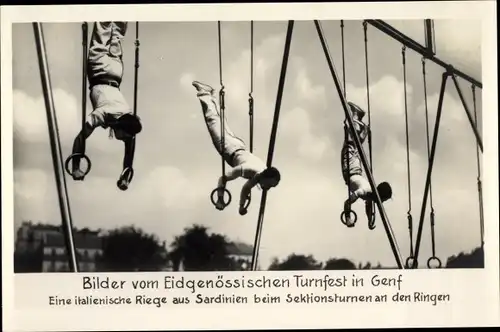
(96,119)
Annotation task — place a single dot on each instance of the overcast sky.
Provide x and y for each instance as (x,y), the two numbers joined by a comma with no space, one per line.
(176,166)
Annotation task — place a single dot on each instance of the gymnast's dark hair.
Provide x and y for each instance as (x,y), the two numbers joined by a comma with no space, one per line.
(385,191)
(271,173)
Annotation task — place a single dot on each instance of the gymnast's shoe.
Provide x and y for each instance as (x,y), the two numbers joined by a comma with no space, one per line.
(203,89)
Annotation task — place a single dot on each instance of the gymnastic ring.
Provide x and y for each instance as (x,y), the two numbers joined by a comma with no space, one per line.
(411,262)
(81,155)
(371,222)
(215,191)
(127,175)
(247,202)
(434,259)
(343,215)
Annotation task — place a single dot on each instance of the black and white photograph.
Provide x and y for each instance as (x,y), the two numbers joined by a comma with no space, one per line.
(229,145)
(254,166)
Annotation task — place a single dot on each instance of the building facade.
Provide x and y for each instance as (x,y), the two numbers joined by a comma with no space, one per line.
(42,248)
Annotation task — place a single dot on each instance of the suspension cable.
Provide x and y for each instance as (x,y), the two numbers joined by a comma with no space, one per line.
(432,212)
(343,56)
(250,97)
(250,106)
(479,182)
(346,128)
(136,69)
(272,141)
(408,171)
(76,157)
(365,27)
(84,77)
(221,102)
(371,223)
(128,173)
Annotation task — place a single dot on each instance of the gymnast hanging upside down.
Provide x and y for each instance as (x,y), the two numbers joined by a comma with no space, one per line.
(111,110)
(359,187)
(244,164)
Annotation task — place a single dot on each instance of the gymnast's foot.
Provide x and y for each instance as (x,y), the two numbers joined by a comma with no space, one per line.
(203,89)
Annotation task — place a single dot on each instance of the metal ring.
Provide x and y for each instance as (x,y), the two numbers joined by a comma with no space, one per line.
(434,259)
(214,201)
(125,178)
(371,222)
(343,216)
(81,155)
(247,202)
(129,173)
(411,262)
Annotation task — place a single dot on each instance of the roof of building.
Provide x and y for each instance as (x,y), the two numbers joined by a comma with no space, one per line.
(58,228)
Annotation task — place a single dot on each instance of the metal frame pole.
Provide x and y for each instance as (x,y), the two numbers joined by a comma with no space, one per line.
(55,145)
(430,167)
(270,152)
(387,226)
(84,75)
(137,44)
(429,36)
(422,50)
(479,140)
(136,65)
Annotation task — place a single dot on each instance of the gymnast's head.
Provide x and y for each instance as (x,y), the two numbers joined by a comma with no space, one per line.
(269,178)
(385,191)
(127,126)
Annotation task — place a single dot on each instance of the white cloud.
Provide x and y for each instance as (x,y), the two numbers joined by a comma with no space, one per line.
(176,191)
(186,81)
(459,42)
(452,108)
(306,90)
(296,127)
(30,119)
(33,188)
(98,200)
(386,96)
(267,57)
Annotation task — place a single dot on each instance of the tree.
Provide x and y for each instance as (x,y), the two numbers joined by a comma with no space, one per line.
(474,259)
(296,262)
(28,260)
(369,266)
(196,250)
(129,249)
(339,264)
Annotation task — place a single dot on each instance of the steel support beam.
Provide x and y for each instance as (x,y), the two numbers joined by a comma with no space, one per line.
(272,141)
(431,165)
(55,146)
(422,50)
(470,117)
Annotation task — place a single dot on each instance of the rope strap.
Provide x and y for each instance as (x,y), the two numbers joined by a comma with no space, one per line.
(409,216)
(371,222)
